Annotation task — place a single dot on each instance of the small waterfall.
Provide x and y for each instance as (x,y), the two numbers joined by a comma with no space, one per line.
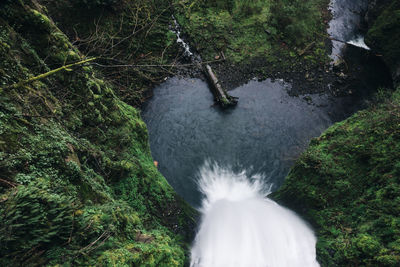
(177,30)
(359,42)
(345,24)
(241,227)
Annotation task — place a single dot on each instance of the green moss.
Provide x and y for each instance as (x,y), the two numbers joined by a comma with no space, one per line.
(243,30)
(347,184)
(40,20)
(78,184)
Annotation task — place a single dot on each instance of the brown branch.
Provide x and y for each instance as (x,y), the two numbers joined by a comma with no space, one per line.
(13,185)
(87,248)
(309,46)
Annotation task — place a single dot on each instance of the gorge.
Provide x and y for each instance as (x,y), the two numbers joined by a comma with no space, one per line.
(315,131)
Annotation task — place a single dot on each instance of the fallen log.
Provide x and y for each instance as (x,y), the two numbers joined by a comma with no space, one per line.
(221,96)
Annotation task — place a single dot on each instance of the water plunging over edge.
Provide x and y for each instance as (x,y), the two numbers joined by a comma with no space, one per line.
(241,227)
(359,42)
(187,52)
(345,25)
(179,40)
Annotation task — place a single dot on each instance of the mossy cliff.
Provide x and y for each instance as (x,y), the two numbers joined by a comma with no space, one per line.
(77,182)
(347,184)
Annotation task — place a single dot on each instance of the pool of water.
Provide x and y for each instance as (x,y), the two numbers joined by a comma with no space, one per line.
(263,134)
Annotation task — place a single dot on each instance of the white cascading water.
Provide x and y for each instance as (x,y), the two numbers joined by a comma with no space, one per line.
(359,42)
(241,227)
(179,40)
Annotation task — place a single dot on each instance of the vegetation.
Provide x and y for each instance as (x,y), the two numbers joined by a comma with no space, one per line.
(78,185)
(241,30)
(347,184)
(122,35)
(77,182)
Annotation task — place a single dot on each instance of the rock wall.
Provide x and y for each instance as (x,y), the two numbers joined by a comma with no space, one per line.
(383,34)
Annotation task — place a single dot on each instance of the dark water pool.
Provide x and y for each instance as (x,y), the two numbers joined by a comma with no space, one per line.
(263,134)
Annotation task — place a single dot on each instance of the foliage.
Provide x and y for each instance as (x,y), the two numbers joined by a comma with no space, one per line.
(347,184)
(247,29)
(77,182)
(33,217)
(298,21)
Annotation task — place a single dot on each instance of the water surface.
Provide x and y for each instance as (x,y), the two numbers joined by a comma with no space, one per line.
(263,134)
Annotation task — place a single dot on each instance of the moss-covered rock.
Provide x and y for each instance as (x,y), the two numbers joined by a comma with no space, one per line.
(347,184)
(78,185)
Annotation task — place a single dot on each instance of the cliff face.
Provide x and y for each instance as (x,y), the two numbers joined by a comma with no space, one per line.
(77,182)
(383,35)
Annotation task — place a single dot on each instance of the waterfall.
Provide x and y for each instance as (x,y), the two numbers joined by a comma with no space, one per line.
(179,40)
(345,24)
(359,42)
(242,227)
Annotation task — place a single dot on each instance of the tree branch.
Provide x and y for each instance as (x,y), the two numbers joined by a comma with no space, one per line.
(44,75)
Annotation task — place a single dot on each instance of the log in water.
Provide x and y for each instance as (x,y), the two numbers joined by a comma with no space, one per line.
(220,94)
